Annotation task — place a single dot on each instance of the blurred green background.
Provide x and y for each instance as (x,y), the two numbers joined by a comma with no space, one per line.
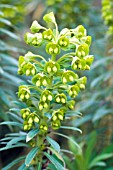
(95,102)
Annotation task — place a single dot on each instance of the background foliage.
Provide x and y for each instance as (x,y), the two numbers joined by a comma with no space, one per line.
(96,103)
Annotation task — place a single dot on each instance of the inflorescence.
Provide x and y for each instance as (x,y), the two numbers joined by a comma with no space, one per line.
(55,82)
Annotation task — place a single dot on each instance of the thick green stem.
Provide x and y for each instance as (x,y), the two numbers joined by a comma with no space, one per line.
(53,58)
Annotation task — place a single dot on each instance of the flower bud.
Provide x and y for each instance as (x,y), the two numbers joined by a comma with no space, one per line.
(50,97)
(30,120)
(29,69)
(48,35)
(25,113)
(37,39)
(61,98)
(35,27)
(80,31)
(46,96)
(40,106)
(71,104)
(63,42)
(88,59)
(43,128)
(61,117)
(49,17)
(36,119)
(73,91)
(54,117)
(40,80)
(87,40)
(82,82)
(52,67)
(21,65)
(69,76)
(55,124)
(44,82)
(27,126)
(43,105)
(52,48)
(78,64)
(82,50)
(33,39)
(28,38)
(24,93)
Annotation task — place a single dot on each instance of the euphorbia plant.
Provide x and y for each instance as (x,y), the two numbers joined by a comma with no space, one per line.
(49,98)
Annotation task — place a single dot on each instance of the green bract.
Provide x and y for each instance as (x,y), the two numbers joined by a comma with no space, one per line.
(54,82)
(36,27)
(40,80)
(48,35)
(33,39)
(52,48)
(24,93)
(51,67)
(63,42)
(69,76)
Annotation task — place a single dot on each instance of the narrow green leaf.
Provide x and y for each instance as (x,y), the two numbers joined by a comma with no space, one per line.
(53,143)
(13,163)
(83,120)
(39,166)
(102,111)
(5,21)
(15,116)
(67,151)
(13,78)
(5,47)
(31,156)
(102,164)
(74,113)
(91,141)
(7,138)
(71,128)
(15,134)
(11,123)
(67,137)
(14,146)
(57,154)
(15,110)
(99,158)
(103,77)
(15,140)
(54,162)
(9,33)
(3,97)
(101,61)
(31,134)
(23,167)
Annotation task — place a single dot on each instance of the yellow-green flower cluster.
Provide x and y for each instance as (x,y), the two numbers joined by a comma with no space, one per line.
(82,60)
(107,13)
(24,93)
(29,118)
(57,117)
(54,82)
(26,67)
